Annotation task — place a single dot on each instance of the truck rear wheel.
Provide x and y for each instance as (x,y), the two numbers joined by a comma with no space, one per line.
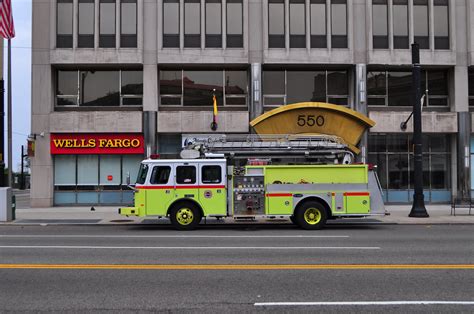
(311,215)
(185,216)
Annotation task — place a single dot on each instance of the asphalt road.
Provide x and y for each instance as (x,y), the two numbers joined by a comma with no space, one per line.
(390,268)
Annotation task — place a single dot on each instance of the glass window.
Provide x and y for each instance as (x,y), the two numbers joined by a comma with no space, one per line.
(471,87)
(274,82)
(236,87)
(399,88)
(99,88)
(107,24)
(130,167)
(318,23)
(338,83)
(213,23)
(64,170)
(86,24)
(185,174)
(64,24)
(441,24)
(398,172)
(339,23)
(171,88)
(88,170)
(276,24)
(376,88)
(297,24)
(235,24)
(160,175)
(110,170)
(437,88)
(171,23)
(128,24)
(67,88)
(131,90)
(400,24)
(420,21)
(192,23)
(141,178)
(211,174)
(380,24)
(303,86)
(199,87)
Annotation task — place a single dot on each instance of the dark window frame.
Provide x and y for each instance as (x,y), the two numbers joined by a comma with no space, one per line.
(192,40)
(318,40)
(380,41)
(129,40)
(297,40)
(213,180)
(277,40)
(86,40)
(192,176)
(107,40)
(235,40)
(156,176)
(171,40)
(64,40)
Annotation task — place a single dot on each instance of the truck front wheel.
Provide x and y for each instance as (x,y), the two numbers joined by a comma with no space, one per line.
(185,216)
(311,215)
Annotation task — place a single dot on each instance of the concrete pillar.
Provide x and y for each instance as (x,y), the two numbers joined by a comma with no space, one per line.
(360,105)
(463,153)
(255,30)
(256,103)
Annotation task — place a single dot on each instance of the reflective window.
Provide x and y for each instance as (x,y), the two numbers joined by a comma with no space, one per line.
(160,175)
(318,23)
(171,23)
(128,24)
(192,23)
(64,24)
(420,22)
(99,88)
(274,82)
(110,171)
(88,170)
(399,88)
(276,24)
(107,24)
(380,24)
(400,24)
(65,170)
(377,88)
(211,174)
(86,24)
(130,167)
(339,23)
(142,173)
(441,24)
(235,24)
(213,23)
(196,88)
(185,174)
(297,24)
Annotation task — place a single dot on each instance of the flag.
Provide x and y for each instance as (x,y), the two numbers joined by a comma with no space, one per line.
(7,30)
(214,114)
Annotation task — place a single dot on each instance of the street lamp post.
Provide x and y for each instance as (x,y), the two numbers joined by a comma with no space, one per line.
(418,209)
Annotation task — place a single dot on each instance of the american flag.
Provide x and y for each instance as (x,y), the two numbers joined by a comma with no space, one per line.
(7,30)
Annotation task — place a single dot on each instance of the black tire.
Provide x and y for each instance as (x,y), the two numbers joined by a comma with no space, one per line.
(311,215)
(293,220)
(185,216)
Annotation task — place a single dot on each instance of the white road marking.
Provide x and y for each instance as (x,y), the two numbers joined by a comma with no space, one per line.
(191,247)
(365,303)
(170,236)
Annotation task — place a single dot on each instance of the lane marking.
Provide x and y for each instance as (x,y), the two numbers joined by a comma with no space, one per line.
(191,247)
(365,303)
(238,266)
(170,236)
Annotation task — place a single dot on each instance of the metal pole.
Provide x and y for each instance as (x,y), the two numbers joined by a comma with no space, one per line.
(9,108)
(418,209)
(22,176)
(2,135)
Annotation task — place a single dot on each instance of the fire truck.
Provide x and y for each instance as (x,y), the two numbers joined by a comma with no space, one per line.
(308,179)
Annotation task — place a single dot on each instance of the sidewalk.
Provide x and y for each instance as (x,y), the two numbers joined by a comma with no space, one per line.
(439,214)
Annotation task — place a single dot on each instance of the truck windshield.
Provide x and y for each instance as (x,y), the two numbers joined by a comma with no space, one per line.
(142,174)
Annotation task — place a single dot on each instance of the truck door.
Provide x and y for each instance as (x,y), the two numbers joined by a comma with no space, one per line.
(186,184)
(212,189)
(161,190)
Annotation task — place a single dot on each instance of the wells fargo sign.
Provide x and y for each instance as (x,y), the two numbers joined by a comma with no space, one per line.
(91,144)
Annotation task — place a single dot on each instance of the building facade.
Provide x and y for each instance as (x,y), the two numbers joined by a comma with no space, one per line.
(107,73)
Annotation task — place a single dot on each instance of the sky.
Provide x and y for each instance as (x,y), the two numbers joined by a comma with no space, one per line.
(21,80)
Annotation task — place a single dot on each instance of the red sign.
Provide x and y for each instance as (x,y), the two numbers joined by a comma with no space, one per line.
(91,144)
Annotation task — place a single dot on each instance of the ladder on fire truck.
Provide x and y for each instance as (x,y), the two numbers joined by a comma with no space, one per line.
(313,148)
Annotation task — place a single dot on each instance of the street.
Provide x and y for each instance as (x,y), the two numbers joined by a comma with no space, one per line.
(232,268)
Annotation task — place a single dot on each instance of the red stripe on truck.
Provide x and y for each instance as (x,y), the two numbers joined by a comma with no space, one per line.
(356,194)
(279,194)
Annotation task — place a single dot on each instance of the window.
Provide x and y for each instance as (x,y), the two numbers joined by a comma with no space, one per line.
(276,24)
(99,88)
(287,87)
(211,174)
(420,22)
(400,24)
(213,23)
(339,23)
(160,175)
(185,174)
(171,23)
(64,24)
(441,24)
(471,89)
(318,23)
(394,88)
(110,172)
(107,24)
(128,24)
(196,88)
(297,24)
(86,24)
(235,24)
(380,24)
(192,23)
(142,173)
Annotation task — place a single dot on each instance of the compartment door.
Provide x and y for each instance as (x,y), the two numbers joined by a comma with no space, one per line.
(357,202)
